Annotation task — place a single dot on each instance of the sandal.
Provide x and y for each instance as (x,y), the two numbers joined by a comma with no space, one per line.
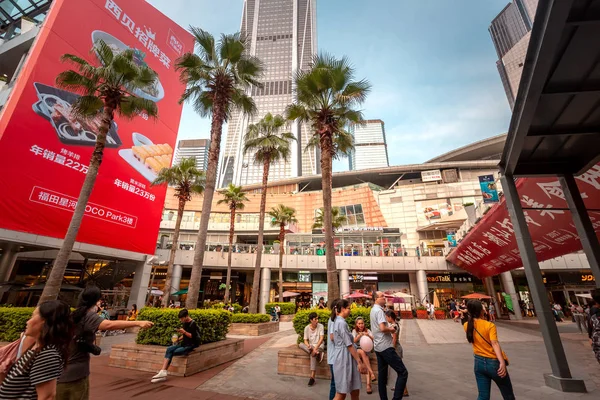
(369,390)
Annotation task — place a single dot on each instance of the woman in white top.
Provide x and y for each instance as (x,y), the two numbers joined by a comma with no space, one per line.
(360,330)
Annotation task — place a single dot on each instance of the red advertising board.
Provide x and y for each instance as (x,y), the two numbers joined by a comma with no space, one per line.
(490,247)
(45,151)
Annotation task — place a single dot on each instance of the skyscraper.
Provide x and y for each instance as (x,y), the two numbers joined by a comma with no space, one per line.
(282,34)
(510,32)
(197,148)
(370,147)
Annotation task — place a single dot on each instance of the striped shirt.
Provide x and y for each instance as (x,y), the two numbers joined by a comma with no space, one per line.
(30,370)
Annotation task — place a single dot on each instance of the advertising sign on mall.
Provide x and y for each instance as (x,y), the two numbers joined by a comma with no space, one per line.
(488,189)
(45,150)
(431,176)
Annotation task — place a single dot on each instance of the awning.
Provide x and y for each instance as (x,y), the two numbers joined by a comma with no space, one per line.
(490,247)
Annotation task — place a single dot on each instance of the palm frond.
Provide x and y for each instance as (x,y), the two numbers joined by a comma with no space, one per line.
(75,82)
(87,105)
(132,106)
(231,48)
(205,43)
(104,52)
(244,103)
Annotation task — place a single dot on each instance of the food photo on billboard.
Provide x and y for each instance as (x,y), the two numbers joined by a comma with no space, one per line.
(489,191)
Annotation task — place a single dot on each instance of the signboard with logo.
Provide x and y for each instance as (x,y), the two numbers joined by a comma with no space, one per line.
(488,189)
(431,176)
(451,278)
(45,150)
(357,278)
(303,276)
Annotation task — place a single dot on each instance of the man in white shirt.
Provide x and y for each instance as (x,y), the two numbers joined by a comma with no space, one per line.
(385,352)
(313,344)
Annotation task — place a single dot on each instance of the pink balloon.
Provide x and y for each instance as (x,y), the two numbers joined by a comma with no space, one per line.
(366,343)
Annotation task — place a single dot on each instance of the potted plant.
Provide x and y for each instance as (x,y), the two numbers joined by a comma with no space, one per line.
(440,313)
(421,312)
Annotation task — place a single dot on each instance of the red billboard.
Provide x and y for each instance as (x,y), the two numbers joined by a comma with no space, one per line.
(490,247)
(45,150)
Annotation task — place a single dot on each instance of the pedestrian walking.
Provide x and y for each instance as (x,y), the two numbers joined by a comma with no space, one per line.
(331,350)
(313,344)
(34,374)
(492,311)
(490,360)
(594,324)
(347,365)
(430,310)
(385,352)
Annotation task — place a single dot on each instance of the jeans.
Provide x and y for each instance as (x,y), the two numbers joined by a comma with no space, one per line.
(332,385)
(486,371)
(390,358)
(177,350)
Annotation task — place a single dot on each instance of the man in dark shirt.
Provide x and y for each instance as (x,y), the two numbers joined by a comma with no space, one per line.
(594,323)
(182,345)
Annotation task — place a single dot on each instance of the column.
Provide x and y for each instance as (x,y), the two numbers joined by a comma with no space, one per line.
(509,288)
(583,224)
(560,379)
(414,288)
(422,286)
(176,278)
(265,288)
(344,283)
(139,287)
(489,283)
(7,261)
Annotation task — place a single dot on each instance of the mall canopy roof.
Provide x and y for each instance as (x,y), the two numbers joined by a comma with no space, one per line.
(555,127)
(11,11)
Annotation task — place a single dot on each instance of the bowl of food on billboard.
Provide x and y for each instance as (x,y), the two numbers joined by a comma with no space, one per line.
(154,93)
(146,157)
(55,105)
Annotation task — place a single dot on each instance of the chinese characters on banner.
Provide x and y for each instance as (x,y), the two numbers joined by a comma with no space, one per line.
(490,247)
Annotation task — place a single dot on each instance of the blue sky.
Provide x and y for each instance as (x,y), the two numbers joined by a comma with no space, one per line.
(431,64)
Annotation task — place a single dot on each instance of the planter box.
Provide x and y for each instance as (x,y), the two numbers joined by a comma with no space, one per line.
(263,328)
(421,314)
(287,318)
(293,361)
(150,358)
(406,314)
(440,315)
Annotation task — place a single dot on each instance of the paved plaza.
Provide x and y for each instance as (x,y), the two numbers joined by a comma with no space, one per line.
(439,361)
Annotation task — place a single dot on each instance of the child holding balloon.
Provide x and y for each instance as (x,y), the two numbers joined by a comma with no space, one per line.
(363,340)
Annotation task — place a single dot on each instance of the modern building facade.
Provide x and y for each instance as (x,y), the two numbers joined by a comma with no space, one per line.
(510,32)
(194,148)
(282,34)
(370,146)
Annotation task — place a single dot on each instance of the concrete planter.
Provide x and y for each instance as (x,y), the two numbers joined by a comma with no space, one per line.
(150,358)
(440,314)
(421,314)
(287,318)
(471,214)
(263,328)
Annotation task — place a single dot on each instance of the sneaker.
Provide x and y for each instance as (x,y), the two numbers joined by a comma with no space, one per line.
(162,374)
(321,355)
(311,382)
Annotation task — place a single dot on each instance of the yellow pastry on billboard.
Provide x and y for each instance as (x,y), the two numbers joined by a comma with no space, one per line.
(140,153)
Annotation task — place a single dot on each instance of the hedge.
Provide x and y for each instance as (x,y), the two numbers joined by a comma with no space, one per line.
(301,319)
(286,308)
(220,306)
(213,325)
(13,321)
(250,318)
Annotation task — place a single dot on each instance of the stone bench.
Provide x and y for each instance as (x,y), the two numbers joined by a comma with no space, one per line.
(287,318)
(293,361)
(260,329)
(150,358)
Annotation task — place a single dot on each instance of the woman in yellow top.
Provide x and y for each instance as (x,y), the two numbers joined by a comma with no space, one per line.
(490,360)
(133,313)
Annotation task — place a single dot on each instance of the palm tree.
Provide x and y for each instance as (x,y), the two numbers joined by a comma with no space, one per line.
(337,220)
(327,97)
(187,180)
(217,79)
(282,215)
(104,90)
(269,145)
(235,199)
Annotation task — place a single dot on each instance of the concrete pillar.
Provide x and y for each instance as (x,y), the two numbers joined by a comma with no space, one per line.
(422,286)
(139,287)
(414,288)
(561,378)
(509,288)
(583,224)
(344,283)
(489,283)
(7,261)
(265,288)
(176,278)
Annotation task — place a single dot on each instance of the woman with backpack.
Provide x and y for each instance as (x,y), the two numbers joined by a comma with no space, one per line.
(490,360)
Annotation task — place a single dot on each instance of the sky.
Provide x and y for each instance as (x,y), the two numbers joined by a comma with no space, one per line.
(431,63)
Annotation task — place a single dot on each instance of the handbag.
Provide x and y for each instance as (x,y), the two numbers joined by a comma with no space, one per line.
(488,342)
(9,354)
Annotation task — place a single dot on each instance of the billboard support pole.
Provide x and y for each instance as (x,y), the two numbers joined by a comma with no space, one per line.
(583,224)
(561,378)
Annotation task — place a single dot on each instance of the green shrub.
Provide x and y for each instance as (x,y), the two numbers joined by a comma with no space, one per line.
(250,318)
(286,308)
(301,319)
(219,306)
(213,325)
(13,321)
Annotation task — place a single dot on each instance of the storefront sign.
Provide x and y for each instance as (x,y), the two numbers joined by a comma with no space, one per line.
(357,278)
(431,176)
(45,151)
(303,276)
(490,247)
(451,278)
(439,278)
(588,278)
(488,189)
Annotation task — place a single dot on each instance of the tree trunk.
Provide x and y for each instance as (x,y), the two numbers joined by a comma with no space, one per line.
(333,288)
(174,247)
(231,230)
(259,248)
(281,251)
(54,281)
(209,192)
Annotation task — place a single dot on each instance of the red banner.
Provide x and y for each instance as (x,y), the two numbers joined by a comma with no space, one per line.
(490,247)
(45,151)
